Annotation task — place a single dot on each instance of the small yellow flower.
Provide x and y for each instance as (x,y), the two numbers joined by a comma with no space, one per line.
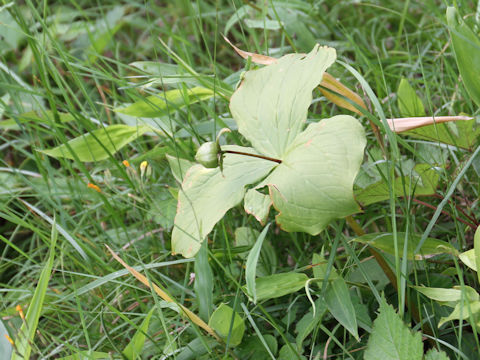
(126,163)
(9,339)
(94,187)
(144,169)
(20,311)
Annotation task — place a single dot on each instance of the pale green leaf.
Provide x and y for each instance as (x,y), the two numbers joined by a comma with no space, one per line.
(203,284)
(270,106)
(263,24)
(179,167)
(221,321)
(166,102)
(340,305)
(245,238)
(320,267)
(313,184)
(207,194)
(88,355)
(134,348)
(277,285)
(468,258)
(25,339)
(409,103)
(385,242)
(257,204)
(251,265)
(476,250)
(464,310)
(5,346)
(466,45)
(99,144)
(449,295)
(391,339)
(43,117)
(422,181)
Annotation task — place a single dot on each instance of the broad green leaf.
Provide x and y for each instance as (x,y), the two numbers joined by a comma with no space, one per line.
(289,352)
(320,268)
(464,310)
(423,181)
(384,242)
(44,117)
(164,74)
(270,106)
(195,349)
(449,295)
(340,305)
(99,144)
(179,167)
(434,354)
(134,348)
(463,133)
(203,284)
(277,285)
(251,265)
(309,322)
(409,103)
(221,321)
(207,194)
(26,334)
(466,45)
(237,16)
(253,349)
(5,346)
(476,250)
(88,355)
(313,184)
(257,204)
(391,339)
(245,238)
(166,102)
(468,258)
(263,24)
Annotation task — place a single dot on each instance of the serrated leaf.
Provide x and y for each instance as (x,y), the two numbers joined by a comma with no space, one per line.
(277,285)
(99,144)
(340,305)
(207,194)
(221,321)
(409,103)
(313,184)
(166,102)
(434,354)
(391,339)
(424,181)
(135,346)
(270,106)
(385,242)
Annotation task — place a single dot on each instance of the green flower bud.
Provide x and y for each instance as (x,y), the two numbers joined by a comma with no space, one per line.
(209,154)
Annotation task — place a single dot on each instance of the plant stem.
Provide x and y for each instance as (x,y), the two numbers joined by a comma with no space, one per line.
(252,155)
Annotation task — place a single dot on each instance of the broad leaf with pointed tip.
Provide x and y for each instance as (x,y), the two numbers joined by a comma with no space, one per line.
(270,107)
(207,194)
(311,186)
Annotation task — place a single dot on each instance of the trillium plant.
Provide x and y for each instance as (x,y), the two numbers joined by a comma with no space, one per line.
(308,168)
